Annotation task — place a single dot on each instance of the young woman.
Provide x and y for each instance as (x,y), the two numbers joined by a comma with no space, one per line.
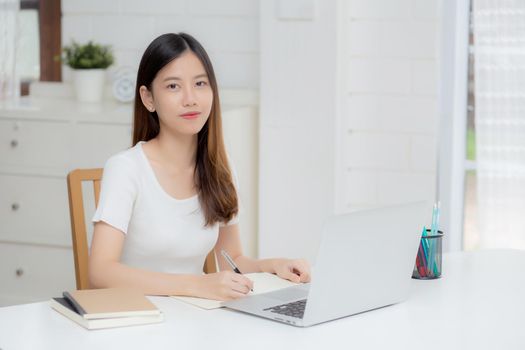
(166,202)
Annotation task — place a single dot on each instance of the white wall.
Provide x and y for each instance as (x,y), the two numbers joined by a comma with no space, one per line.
(297,109)
(228,30)
(388,116)
(348,113)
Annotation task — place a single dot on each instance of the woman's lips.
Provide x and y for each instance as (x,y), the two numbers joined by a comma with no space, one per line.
(190,115)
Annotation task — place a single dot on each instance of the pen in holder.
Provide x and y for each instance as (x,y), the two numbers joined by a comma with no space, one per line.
(428,260)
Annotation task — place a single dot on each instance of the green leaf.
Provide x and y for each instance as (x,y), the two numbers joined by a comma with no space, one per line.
(88,56)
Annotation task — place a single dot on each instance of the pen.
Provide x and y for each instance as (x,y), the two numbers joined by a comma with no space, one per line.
(438,210)
(437,232)
(230,261)
(433,225)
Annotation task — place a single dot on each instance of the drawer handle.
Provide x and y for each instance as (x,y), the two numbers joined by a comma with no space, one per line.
(19,272)
(14,143)
(15,206)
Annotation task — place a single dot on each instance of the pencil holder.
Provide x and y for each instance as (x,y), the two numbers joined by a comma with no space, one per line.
(428,260)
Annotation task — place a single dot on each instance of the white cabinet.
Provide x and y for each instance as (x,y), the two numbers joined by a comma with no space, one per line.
(34,210)
(35,143)
(41,140)
(34,272)
(93,141)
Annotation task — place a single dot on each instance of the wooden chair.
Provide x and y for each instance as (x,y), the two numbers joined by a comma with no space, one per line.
(78,223)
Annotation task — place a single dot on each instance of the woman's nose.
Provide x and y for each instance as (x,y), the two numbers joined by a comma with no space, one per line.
(189,97)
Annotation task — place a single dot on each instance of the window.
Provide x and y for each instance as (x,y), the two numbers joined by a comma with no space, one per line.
(40,42)
(470,222)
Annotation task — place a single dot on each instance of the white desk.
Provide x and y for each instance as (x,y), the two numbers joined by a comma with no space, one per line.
(477,304)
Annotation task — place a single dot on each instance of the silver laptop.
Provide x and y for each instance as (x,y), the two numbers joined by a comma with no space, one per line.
(365,262)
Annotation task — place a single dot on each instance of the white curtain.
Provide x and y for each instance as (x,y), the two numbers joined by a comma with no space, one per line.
(499,44)
(9,82)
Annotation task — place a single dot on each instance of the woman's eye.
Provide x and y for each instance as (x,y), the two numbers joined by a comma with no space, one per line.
(172,86)
(202,83)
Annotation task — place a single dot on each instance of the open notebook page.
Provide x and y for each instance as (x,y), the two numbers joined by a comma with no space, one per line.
(263,282)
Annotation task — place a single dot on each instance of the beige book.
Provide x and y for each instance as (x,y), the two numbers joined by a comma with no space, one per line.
(106,308)
(62,306)
(263,282)
(110,302)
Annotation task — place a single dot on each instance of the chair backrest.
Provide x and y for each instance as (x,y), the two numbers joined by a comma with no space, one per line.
(78,223)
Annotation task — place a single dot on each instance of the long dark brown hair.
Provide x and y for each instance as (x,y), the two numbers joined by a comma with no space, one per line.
(213,177)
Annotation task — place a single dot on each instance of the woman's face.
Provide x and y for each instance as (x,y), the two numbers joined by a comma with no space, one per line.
(180,87)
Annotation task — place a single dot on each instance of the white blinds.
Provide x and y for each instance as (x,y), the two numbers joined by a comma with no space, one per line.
(9,83)
(499,42)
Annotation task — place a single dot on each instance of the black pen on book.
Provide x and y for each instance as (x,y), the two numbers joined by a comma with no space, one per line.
(230,261)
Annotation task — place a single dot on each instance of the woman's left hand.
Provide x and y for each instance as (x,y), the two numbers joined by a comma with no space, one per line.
(295,270)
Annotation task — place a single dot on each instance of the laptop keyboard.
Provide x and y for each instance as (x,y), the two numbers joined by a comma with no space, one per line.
(293,309)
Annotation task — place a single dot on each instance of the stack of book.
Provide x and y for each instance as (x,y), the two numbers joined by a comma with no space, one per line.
(106,308)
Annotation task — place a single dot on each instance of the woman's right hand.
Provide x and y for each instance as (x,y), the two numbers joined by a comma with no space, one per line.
(224,285)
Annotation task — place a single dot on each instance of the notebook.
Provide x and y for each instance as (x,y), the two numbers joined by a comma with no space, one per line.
(263,282)
(106,308)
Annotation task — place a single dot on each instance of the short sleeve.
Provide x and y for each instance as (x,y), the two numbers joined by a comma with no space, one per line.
(235,219)
(118,190)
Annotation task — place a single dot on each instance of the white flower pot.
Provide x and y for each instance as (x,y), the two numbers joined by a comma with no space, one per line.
(89,84)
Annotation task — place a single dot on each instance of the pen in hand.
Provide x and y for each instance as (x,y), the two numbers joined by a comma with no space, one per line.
(232,264)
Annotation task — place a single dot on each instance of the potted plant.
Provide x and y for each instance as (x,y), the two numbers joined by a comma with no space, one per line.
(89,63)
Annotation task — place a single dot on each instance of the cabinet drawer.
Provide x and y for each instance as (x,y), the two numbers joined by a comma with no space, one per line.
(34,273)
(34,210)
(35,144)
(94,143)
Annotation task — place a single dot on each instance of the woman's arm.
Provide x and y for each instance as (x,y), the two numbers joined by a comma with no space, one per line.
(105,270)
(295,270)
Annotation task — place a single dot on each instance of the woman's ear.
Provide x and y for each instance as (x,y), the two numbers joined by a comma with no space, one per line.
(147,98)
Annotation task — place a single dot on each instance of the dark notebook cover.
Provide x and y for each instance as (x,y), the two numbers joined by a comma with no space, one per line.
(66,303)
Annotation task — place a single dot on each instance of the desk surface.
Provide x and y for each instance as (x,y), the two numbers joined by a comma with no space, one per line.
(477,304)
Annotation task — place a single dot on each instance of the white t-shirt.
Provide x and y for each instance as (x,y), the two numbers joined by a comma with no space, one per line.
(162,233)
